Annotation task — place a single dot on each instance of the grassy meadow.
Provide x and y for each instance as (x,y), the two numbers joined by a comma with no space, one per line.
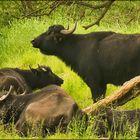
(17,51)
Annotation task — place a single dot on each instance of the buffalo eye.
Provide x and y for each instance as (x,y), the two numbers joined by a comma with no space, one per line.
(57,39)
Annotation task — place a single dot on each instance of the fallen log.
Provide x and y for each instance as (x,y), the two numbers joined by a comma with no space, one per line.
(127,92)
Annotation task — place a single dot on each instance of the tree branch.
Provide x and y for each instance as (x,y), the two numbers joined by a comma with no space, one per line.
(127,92)
(54,5)
(36,11)
(97,22)
(93,6)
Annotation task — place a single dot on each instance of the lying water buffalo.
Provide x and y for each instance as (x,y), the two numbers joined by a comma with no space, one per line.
(27,80)
(98,57)
(51,106)
(115,122)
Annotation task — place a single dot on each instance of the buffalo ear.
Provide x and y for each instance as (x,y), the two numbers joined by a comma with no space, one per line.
(34,71)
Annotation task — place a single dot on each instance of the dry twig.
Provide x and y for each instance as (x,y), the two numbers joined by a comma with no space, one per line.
(106,5)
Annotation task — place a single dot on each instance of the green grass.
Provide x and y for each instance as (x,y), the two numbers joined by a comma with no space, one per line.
(17,51)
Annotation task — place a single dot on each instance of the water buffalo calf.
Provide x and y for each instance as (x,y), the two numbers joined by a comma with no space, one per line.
(27,80)
(51,106)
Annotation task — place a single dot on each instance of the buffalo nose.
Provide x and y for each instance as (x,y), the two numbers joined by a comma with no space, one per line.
(60,81)
(33,43)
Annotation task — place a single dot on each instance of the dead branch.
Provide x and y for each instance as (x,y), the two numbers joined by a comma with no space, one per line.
(27,6)
(106,6)
(102,5)
(127,92)
(29,12)
(54,5)
(36,11)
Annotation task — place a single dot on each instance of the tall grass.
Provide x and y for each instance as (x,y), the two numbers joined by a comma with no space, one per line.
(17,51)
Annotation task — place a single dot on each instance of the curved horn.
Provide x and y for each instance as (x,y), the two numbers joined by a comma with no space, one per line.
(41,68)
(70,31)
(11,89)
(24,93)
(68,27)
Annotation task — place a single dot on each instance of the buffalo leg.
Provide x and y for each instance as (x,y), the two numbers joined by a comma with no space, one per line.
(98,92)
(21,127)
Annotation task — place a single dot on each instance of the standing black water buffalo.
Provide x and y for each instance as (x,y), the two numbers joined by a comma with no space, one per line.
(51,107)
(98,57)
(27,80)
